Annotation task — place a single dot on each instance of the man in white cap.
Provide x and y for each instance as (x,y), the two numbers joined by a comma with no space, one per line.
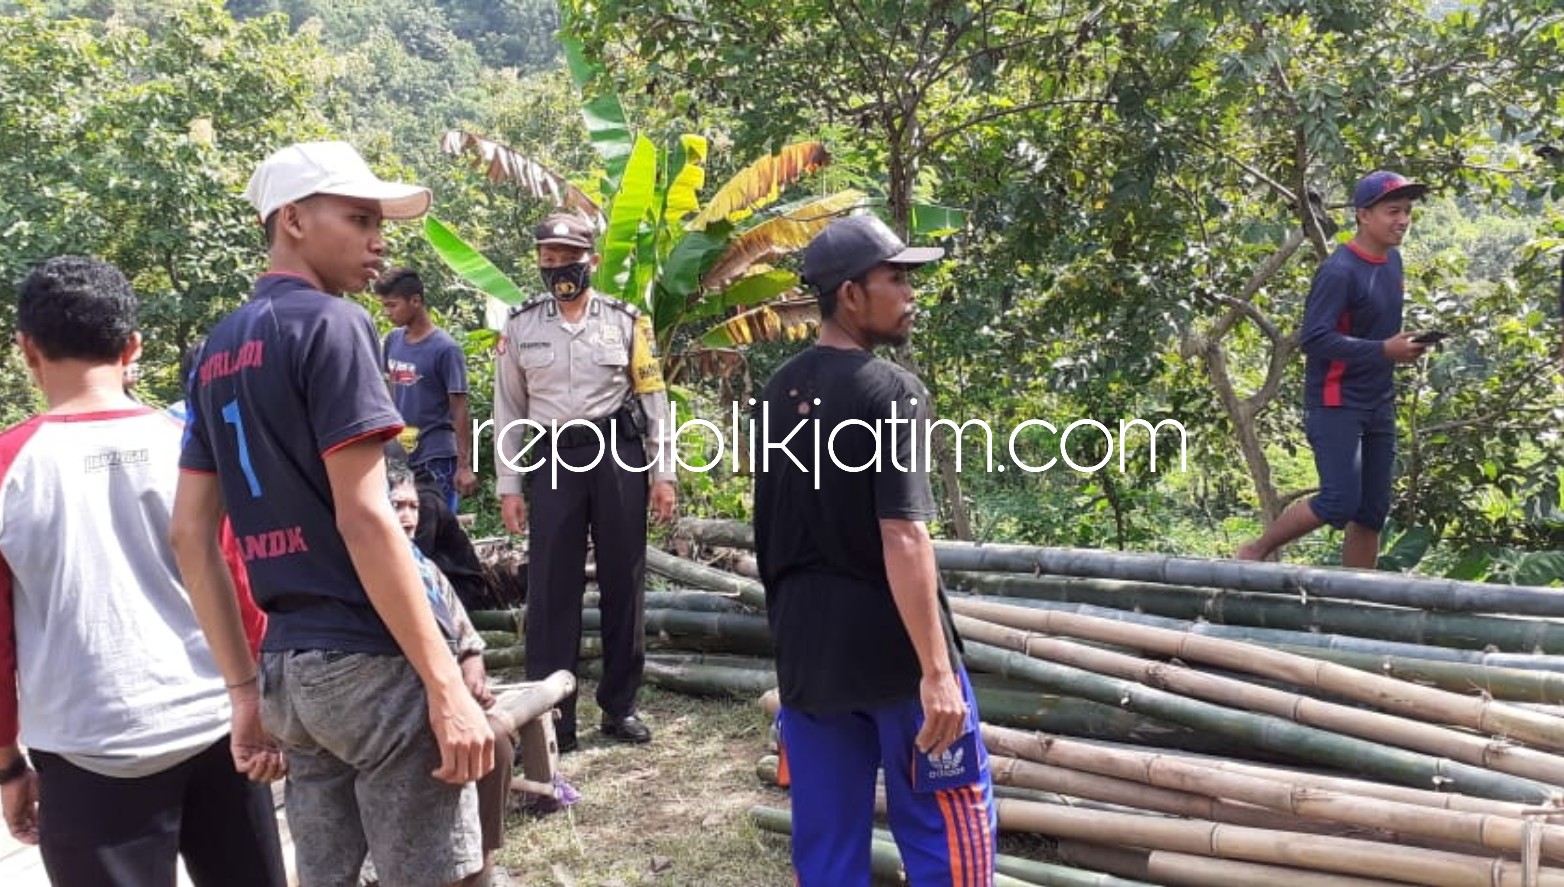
(357,681)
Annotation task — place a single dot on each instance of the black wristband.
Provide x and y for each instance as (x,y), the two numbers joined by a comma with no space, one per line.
(15,771)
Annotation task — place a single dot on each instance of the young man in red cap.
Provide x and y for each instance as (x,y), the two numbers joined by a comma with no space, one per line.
(357,680)
(867,659)
(1353,340)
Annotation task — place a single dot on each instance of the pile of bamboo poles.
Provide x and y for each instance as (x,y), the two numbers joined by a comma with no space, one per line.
(1181,721)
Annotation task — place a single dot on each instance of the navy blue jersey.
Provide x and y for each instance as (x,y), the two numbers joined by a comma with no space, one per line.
(286,379)
(423,376)
(1354,306)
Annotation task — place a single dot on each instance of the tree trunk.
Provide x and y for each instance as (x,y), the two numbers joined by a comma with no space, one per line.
(902,173)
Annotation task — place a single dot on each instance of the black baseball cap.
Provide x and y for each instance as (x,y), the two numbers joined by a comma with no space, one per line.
(565,229)
(849,247)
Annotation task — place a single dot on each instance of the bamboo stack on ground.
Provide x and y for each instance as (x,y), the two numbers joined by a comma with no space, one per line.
(1453,785)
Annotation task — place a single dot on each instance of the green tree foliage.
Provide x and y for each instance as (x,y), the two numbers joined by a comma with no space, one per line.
(135,146)
(1151,183)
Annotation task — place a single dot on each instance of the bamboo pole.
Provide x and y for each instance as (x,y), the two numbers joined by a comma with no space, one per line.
(1140,795)
(1070,716)
(1509,684)
(1176,775)
(690,573)
(1364,585)
(1265,731)
(886,859)
(1273,637)
(1233,693)
(731,632)
(1317,852)
(515,707)
(516,657)
(709,680)
(1021,741)
(1288,612)
(1188,870)
(1485,715)
(497,620)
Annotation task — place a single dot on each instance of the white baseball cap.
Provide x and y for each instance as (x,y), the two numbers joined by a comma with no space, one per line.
(301,170)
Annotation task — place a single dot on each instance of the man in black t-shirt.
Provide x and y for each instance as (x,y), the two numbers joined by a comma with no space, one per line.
(867,659)
(287,416)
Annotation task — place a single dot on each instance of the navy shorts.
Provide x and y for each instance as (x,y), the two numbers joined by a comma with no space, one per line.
(1354,451)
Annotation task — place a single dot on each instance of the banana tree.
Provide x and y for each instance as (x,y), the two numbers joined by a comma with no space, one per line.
(663,252)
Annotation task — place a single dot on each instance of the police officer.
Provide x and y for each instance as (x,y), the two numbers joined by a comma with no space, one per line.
(583,367)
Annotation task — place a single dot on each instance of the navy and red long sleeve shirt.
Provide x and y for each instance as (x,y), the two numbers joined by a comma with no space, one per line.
(1354,305)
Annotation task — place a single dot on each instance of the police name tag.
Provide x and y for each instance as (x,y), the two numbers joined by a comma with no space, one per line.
(957,766)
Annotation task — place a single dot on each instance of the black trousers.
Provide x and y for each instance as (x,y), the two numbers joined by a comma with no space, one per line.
(610,503)
(102,831)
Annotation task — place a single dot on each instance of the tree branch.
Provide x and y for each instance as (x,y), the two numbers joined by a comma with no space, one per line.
(1264,273)
(943,134)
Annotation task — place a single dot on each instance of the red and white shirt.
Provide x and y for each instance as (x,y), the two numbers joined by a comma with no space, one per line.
(101,657)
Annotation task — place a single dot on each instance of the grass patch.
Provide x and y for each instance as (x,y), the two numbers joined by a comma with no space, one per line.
(674,812)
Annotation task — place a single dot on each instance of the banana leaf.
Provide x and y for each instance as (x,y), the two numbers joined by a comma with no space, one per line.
(632,202)
(605,119)
(761,183)
(776,237)
(688,164)
(502,163)
(744,292)
(471,264)
(788,321)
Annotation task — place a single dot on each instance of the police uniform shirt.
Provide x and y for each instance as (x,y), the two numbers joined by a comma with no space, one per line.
(552,371)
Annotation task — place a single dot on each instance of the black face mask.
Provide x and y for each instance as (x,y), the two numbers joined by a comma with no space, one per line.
(567,283)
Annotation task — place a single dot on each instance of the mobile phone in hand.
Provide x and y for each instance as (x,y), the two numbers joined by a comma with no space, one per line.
(1432,337)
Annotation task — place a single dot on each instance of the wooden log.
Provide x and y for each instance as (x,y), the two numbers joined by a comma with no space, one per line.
(1485,715)
(1264,731)
(1364,585)
(1288,612)
(1505,834)
(1316,852)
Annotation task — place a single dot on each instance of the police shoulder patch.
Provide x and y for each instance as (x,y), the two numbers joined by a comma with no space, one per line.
(620,304)
(530,304)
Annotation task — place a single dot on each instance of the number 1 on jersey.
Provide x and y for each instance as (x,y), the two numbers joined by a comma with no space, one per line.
(232,417)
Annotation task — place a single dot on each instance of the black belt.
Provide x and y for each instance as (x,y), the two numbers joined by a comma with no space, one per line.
(578,435)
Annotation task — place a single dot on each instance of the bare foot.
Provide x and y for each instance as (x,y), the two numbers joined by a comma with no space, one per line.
(1250,551)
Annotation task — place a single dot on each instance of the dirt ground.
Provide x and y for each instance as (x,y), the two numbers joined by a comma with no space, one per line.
(673,813)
